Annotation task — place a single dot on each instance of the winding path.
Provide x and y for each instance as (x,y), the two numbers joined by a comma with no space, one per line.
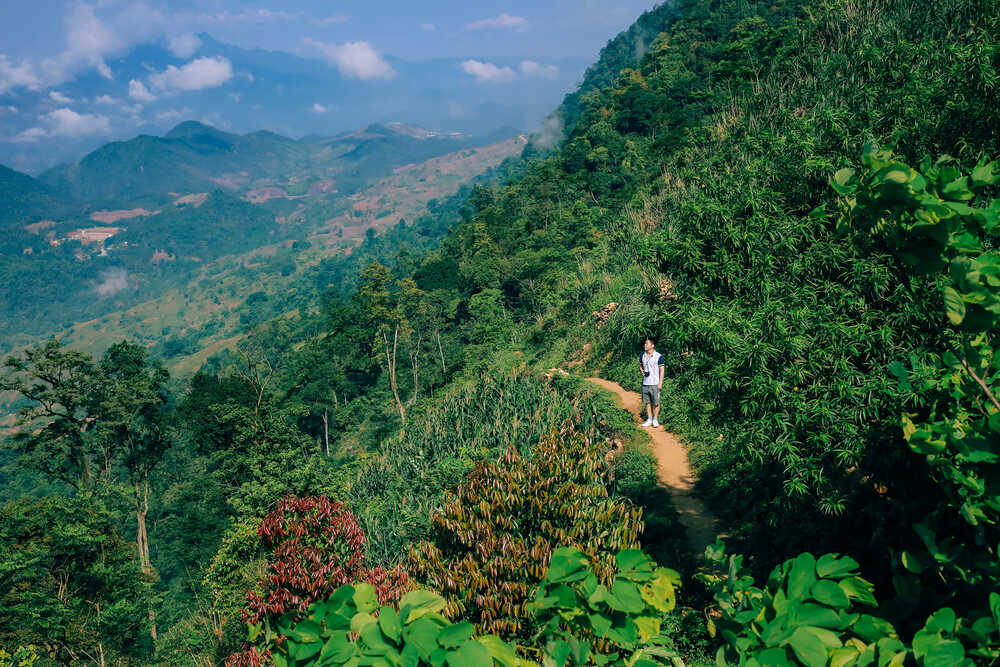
(674,472)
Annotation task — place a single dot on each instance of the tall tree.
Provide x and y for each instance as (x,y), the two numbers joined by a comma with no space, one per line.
(54,429)
(386,318)
(130,423)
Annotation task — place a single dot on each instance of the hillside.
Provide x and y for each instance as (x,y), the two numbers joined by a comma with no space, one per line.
(194,157)
(166,206)
(24,199)
(796,202)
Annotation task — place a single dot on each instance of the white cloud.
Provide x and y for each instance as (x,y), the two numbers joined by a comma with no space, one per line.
(330,20)
(30,135)
(261,15)
(88,41)
(429,27)
(134,109)
(503,21)
(16,76)
(488,72)
(112,280)
(170,116)
(235,97)
(357,60)
(65,123)
(318,108)
(9,109)
(106,99)
(59,98)
(531,68)
(137,91)
(183,46)
(196,75)
(104,70)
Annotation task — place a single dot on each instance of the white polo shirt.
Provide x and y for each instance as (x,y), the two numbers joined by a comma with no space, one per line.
(651,364)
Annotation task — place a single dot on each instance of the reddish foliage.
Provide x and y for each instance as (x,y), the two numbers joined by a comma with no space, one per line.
(249,657)
(318,547)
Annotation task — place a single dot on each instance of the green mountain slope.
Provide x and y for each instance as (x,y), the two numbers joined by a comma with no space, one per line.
(24,199)
(194,157)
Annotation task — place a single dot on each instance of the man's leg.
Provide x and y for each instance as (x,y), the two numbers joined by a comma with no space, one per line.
(648,400)
(655,405)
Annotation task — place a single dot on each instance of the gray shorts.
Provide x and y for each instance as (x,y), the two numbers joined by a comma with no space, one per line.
(651,394)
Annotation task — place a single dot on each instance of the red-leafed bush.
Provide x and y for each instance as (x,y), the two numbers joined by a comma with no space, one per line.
(318,547)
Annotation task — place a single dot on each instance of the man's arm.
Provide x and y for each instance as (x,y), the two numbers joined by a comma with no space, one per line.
(662,368)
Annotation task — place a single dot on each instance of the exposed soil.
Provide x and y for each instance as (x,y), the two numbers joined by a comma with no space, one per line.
(673,470)
(111,217)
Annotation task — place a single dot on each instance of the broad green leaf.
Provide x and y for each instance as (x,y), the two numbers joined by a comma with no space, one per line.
(337,649)
(835,565)
(470,654)
(454,635)
(599,623)
(557,651)
(388,621)
(360,621)
(802,576)
(945,654)
(423,634)
(814,614)
(859,590)
(773,657)
(500,651)
(842,181)
(808,647)
(829,593)
(634,563)
(567,564)
(943,620)
(417,603)
(659,593)
(954,305)
(625,597)
(985,174)
(365,598)
(648,626)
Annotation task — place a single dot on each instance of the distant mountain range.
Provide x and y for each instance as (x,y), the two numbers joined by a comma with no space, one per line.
(280,92)
(196,157)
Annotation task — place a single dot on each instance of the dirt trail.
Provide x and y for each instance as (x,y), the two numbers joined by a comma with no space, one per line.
(674,472)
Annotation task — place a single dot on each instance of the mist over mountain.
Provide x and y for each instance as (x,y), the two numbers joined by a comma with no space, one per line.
(243,90)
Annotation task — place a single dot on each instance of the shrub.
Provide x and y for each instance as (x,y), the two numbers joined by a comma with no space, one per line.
(493,540)
(574,612)
(316,546)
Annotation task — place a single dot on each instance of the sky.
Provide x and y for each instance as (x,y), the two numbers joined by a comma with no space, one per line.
(48,38)
(70,77)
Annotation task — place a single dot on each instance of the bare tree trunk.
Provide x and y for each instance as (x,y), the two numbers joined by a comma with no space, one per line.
(415,363)
(142,539)
(391,361)
(326,433)
(440,351)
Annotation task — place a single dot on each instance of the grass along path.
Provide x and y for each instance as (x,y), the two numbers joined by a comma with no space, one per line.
(673,470)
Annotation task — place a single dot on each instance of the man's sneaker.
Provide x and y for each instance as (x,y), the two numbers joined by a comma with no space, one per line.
(648,422)
(656,424)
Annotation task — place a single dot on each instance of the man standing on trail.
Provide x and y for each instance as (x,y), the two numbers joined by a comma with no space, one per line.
(651,365)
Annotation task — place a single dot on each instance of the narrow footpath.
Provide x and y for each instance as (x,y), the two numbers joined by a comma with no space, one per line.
(673,470)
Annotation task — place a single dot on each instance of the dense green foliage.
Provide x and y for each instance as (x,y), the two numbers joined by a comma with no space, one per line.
(580,620)
(491,540)
(815,339)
